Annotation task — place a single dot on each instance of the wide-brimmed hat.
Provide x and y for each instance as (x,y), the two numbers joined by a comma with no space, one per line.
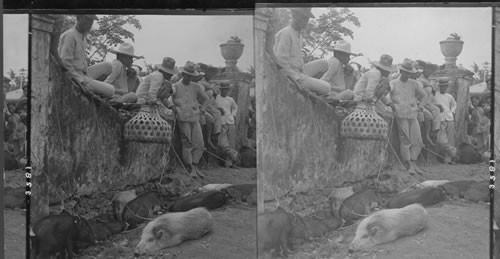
(304,11)
(443,82)
(190,69)
(224,86)
(167,65)
(407,66)
(125,49)
(384,63)
(342,46)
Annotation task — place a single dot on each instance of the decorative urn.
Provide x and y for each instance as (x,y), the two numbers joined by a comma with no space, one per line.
(232,49)
(451,48)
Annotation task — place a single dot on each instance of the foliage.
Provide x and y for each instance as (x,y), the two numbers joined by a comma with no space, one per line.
(16,79)
(235,39)
(109,34)
(481,74)
(454,36)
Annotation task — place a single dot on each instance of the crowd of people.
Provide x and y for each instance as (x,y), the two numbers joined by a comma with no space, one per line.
(15,125)
(400,93)
(204,112)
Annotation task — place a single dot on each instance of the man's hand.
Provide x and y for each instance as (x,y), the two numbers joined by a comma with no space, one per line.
(221,110)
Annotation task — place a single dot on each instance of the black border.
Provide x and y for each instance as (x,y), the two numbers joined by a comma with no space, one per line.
(161,7)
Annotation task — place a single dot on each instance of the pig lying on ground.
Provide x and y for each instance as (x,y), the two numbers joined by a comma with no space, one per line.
(388,225)
(427,197)
(141,208)
(358,205)
(172,229)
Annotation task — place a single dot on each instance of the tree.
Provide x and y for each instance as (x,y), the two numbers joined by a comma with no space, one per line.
(109,34)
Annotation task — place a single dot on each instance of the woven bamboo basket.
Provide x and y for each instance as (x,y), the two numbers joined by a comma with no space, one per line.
(364,123)
(148,127)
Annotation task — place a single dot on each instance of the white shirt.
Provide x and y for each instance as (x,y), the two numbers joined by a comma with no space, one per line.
(230,108)
(449,105)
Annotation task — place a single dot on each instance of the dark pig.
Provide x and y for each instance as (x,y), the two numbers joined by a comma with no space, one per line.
(240,192)
(209,200)
(105,229)
(315,225)
(358,205)
(457,189)
(274,230)
(467,154)
(59,234)
(141,209)
(426,196)
(248,157)
(478,192)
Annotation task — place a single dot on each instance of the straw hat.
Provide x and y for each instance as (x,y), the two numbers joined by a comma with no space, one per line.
(125,49)
(190,69)
(407,66)
(342,46)
(224,86)
(385,63)
(167,65)
(443,82)
(304,11)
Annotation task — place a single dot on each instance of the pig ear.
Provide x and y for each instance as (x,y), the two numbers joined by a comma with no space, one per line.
(373,229)
(158,232)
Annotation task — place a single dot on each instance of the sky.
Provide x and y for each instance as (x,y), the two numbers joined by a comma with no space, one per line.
(400,32)
(15,42)
(415,33)
(194,38)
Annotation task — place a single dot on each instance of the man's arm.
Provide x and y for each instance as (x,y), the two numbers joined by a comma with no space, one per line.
(453,104)
(234,108)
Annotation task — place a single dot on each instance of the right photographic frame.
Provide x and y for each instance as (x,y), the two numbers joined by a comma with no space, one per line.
(373,131)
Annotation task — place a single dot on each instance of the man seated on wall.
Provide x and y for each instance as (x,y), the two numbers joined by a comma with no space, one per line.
(71,50)
(332,70)
(117,73)
(288,51)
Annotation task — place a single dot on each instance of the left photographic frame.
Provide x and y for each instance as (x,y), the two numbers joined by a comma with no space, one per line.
(143,135)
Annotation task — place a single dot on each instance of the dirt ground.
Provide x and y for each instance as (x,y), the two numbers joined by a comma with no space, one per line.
(234,229)
(457,229)
(234,233)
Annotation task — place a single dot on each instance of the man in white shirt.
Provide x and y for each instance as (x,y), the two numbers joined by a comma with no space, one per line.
(71,50)
(226,137)
(288,50)
(447,105)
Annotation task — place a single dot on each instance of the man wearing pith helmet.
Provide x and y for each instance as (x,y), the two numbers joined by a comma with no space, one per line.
(71,50)
(288,51)
(406,94)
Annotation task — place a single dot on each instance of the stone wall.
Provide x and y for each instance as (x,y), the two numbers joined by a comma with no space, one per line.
(77,140)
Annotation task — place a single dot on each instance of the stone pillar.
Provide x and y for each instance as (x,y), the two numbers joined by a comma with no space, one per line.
(460,80)
(261,17)
(240,92)
(42,26)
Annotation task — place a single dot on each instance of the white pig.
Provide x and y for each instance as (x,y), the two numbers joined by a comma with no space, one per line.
(385,226)
(172,229)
